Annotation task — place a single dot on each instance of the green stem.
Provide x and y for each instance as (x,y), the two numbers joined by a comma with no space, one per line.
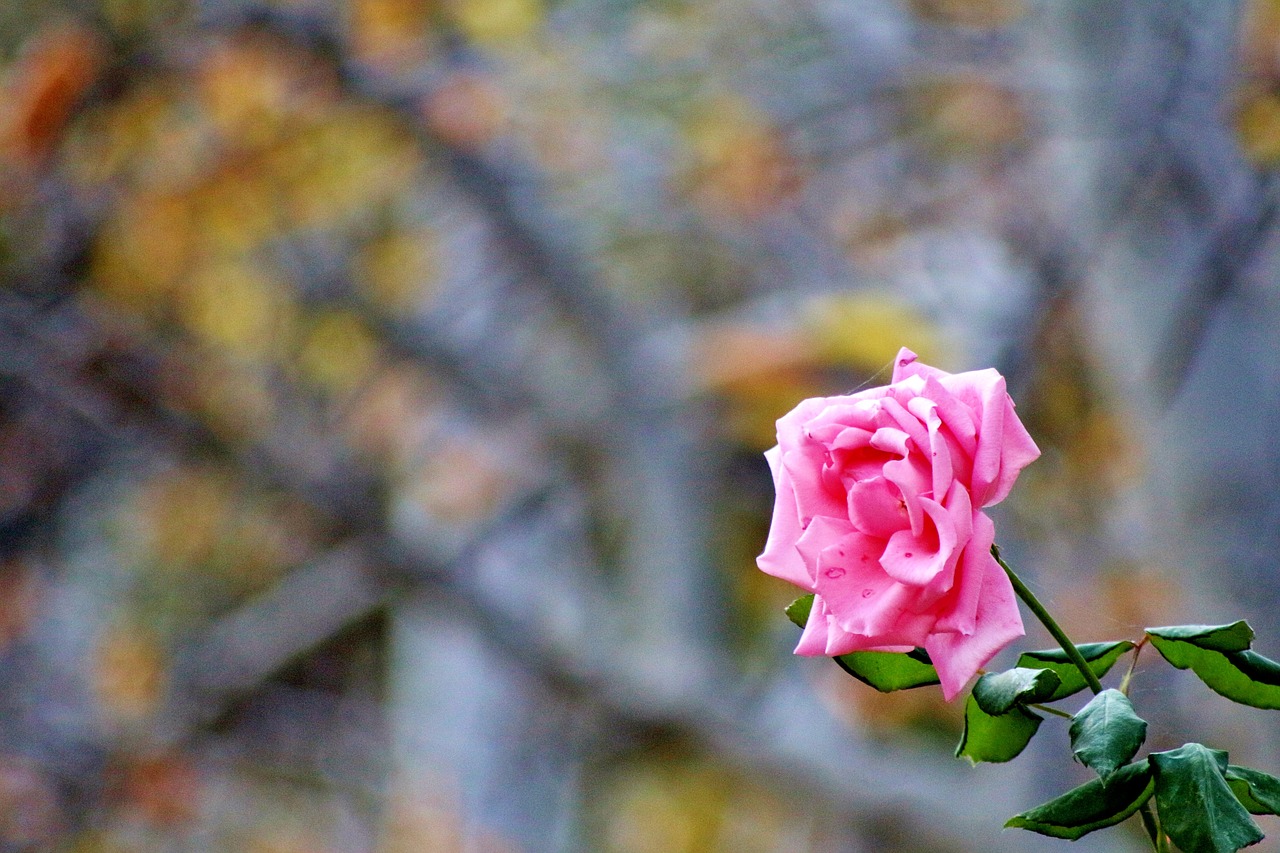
(1152,824)
(1033,603)
(1048,710)
(1133,664)
(1149,821)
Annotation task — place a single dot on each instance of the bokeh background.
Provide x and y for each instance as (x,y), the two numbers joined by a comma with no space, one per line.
(383,386)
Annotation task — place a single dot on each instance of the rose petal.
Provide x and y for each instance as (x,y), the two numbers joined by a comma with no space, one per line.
(913,479)
(955,415)
(959,612)
(813,642)
(907,422)
(780,557)
(1004,447)
(875,508)
(889,440)
(957,656)
(918,560)
(814,494)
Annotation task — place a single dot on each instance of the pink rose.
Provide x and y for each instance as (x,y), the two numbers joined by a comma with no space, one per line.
(879,514)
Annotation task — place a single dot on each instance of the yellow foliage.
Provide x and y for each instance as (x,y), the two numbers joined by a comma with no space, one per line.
(742,167)
(130,673)
(398,271)
(143,248)
(251,88)
(334,170)
(969,115)
(337,352)
(494,23)
(864,331)
(389,31)
(236,210)
(1258,126)
(183,514)
(238,308)
(670,802)
(839,342)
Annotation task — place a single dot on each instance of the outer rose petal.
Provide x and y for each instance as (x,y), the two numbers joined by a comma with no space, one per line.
(780,557)
(958,657)
(959,612)
(1004,447)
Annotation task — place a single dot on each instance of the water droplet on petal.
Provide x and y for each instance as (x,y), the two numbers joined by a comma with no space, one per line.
(837,572)
(868,592)
(908,555)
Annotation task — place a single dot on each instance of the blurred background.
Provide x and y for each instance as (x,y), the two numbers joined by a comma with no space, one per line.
(383,387)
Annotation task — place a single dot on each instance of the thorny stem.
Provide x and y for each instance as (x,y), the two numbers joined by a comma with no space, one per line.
(1034,605)
(1149,820)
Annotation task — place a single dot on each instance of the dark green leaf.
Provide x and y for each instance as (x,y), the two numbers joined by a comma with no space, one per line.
(798,610)
(997,693)
(1242,676)
(1100,657)
(995,738)
(889,671)
(1235,637)
(1197,808)
(1106,733)
(1257,791)
(1091,806)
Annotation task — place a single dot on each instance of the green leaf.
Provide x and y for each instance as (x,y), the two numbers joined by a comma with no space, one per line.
(997,693)
(1197,808)
(1235,637)
(1091,806)
(1257,791)
(1100,657)
(798,610)
(1106,733)
(995,738)
(885,671)
(889,671)
(1240,675)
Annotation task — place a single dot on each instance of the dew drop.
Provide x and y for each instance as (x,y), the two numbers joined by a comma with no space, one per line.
(868,592)
(908,555)
(835,573)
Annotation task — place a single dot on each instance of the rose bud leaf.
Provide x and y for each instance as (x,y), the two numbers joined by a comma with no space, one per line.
(999,693)
(1222,659)
(995,739)
(1257,791)
(890,671)
(1091,806)
(1106,733)
(1197,807)
(1100,657)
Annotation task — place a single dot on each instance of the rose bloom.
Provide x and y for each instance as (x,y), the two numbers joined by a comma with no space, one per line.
(879,514)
